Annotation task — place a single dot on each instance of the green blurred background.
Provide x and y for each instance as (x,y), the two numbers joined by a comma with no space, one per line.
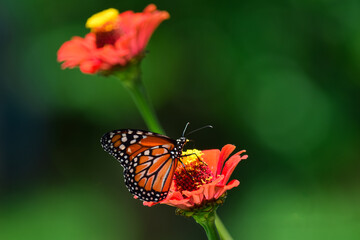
(280,79)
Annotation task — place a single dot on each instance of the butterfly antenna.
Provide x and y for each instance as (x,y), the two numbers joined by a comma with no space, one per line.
(207,126)
(187,124)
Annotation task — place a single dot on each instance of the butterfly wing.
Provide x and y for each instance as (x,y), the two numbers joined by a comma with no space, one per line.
(125,144)
(150,174)
(148,159)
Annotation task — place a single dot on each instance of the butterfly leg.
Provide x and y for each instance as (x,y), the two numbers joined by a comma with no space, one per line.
(185,169)
(184,164)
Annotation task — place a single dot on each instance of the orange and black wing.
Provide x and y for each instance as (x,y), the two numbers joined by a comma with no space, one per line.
(148,161)
(125,144)
(150,173)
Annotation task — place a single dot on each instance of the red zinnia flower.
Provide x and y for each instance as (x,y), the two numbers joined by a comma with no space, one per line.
(204,180)
(115,39)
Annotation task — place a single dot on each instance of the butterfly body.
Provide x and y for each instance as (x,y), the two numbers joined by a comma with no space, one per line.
(149,160)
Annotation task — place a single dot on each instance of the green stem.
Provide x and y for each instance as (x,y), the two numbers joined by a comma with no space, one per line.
(138,93)
(207,221)
(223,232)
(131,78)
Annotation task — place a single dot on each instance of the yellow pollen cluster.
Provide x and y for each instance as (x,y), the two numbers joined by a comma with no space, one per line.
(192,157)
(206,180)
(99,20)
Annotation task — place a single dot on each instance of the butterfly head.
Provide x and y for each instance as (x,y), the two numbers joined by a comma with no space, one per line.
(182,141)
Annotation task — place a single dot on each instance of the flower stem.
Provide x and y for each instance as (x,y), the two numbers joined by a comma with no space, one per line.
(131,78)
(207,221)
(138,93)
(223,232)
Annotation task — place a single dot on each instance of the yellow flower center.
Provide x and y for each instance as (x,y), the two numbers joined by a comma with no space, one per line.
(103,19)
(191,157)
(193,172)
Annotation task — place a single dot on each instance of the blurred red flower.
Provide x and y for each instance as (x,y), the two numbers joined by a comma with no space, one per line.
(205,178)
(115,40)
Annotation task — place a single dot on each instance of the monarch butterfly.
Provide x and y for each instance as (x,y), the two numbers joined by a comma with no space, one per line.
(149,160)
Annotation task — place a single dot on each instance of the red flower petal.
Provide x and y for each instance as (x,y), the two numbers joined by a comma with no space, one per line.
(231,164)
(90,66)
(224,154)
(183,204)
(211,157)
(210,189)
(150,8)
(195,197)
(222,189)
(73,52)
